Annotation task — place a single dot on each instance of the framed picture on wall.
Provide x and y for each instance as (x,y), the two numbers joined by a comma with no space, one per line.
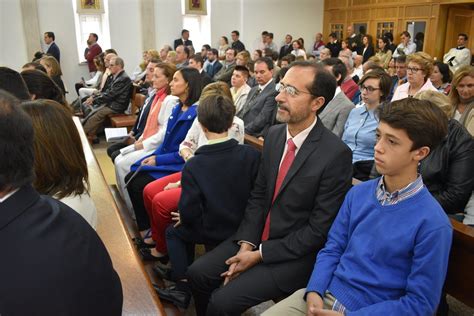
(90,6)
(198,7)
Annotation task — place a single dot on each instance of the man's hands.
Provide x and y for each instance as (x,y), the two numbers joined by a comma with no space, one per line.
(176,218)
(150,161)
(314,303)
(245,259)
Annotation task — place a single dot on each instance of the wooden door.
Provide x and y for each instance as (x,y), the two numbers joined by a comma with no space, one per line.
(460,20)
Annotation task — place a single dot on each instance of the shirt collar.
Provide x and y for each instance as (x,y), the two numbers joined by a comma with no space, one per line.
(385,197)
(299,139)
(265,85)
(218,140)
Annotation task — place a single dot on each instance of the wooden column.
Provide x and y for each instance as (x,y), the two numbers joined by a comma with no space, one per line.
(147,12)
(33,37)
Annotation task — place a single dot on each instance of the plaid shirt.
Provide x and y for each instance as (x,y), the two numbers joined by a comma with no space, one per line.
(386,198)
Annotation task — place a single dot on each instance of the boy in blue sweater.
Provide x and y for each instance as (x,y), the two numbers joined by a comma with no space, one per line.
(387,251)
(216,184)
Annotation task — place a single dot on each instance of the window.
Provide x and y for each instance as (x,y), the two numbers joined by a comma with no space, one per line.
(338,29)
(87,23)
(199,27)
(384,27)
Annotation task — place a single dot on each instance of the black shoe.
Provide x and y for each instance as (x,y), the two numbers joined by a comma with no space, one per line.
(172,294)
(162,272)
(147,256)
(140,243)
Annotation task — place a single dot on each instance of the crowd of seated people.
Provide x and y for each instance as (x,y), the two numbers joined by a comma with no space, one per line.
(283,222)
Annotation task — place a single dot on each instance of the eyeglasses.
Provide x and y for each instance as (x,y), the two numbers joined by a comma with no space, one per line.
(369,89)
(413,70)
(290,90)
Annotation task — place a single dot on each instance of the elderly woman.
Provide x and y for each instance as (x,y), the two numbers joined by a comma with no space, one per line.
(462,97)
(441,77)
(359,130)
(419,69)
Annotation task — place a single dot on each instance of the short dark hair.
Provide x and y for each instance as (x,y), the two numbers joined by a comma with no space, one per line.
(236,32)
(388,35)
(214,51)
(289,58)
(425,123)
(184,31)
(96,37)
(406,33)
(264,33)
(194,80)
(402,59)
(12,82)
(333,35)
(444,70)
(187,51)
(50,35)
(42,86)
(216,113)
(385,82)
(338,68)
(110,51)
(232,49)
(323,85)
(463,35)
(265,60)
(206,46)
(198,59)
(270,35)
(243,70)
(16,139)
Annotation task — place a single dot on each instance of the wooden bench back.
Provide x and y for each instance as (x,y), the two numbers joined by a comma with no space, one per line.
(139,296)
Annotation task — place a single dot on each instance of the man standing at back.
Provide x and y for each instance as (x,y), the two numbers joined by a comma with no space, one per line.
(259,109)
(53,49)
(53,262)
(236,43)
(304,174)
(93,49)
(184,40)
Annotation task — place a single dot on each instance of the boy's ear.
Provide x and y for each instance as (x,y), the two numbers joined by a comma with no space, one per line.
(421,153)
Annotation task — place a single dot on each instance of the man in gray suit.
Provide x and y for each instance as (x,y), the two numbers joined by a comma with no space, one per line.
(335,114)
(225,73)
(258,111)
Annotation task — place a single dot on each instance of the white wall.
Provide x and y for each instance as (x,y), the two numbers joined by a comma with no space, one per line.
(13,51)
(168,21)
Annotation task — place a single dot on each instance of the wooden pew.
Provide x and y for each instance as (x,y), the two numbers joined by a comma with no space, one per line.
(128,120)
(460,277)
(139,296)
(253,141)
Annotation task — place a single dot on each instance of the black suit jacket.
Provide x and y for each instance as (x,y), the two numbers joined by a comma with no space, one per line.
(305,207)
(285,50)
(53,262)
(180,41)
(53,50)
(140,122)
(117,94)
(335,48)
(205,79)
(369,52)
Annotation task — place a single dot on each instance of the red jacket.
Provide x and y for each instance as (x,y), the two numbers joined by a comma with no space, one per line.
(90,54)
(349,87)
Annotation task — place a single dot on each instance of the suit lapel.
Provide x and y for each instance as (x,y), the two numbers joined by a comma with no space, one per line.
(309,145)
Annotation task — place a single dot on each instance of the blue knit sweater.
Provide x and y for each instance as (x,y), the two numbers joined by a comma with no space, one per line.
(385,260)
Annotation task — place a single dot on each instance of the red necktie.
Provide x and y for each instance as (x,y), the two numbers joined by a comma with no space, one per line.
(285,166)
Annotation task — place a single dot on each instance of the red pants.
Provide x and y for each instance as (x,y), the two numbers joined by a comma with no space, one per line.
(159,204)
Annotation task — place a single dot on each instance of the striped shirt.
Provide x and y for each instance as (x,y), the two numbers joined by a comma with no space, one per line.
(387,198)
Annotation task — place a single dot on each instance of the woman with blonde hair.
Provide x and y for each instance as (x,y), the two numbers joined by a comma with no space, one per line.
(53,70)
(60,165)
(462,97)
(419,69)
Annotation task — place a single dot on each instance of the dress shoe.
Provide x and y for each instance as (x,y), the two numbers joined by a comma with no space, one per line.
(162,272)
(174,295)
(140,243)
(147,256)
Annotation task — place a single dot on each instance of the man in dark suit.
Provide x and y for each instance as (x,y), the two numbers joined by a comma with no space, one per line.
(304,175)
(287,47)
(113,100)
(184,40)
(53,49)
(259,109)
(196,62)
(213,65)
(333,45)
(236,43)
(53,263)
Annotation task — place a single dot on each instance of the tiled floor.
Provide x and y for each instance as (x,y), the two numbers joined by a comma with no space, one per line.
(100,150)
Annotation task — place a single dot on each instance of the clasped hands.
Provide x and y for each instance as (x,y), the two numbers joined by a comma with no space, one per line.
(245,259)
(149,161)
(315,304)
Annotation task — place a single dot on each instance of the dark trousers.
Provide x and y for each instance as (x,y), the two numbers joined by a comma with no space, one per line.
(180,242)
(135,191)
(252,287)
(114,150)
